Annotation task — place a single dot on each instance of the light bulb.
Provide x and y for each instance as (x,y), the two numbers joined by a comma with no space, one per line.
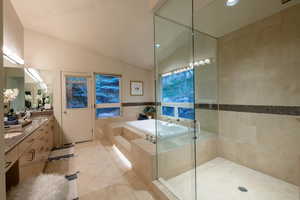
(207,61)
(232,2)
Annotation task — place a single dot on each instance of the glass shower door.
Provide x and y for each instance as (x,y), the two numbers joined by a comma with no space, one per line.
(175,120)
(206,101)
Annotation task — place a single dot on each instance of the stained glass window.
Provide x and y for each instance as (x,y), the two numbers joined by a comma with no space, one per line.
(108,100)
(107,89)
(77,92)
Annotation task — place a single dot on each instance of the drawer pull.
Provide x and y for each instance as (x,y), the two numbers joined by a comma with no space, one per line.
(32,154)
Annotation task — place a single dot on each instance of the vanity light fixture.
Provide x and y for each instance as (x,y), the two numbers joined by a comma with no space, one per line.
(177,71)
(201,62)
(35,76)
(9,59)
(157,45)
(12,57)
(231,3)
(190,66)
(30,75)
(207,61)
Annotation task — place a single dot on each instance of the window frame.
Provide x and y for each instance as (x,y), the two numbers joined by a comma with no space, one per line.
(176,106)
(108,105)
(162,111)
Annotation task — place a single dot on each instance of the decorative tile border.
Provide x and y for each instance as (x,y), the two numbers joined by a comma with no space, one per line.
(206,106)
(263,109)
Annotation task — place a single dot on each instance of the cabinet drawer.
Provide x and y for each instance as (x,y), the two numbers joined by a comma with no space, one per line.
(29,171)
(27,143)
(11,157)
(30,155)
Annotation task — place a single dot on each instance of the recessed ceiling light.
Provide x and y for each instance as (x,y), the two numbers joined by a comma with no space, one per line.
(232,2)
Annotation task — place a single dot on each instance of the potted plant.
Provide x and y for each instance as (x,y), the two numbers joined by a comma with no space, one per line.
(9,95)
(149,111)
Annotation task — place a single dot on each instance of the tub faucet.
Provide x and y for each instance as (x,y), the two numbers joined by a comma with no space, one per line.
(168,121)
(198,127)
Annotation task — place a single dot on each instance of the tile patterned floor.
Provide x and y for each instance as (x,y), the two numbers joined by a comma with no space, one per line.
(103,176)
(219,179)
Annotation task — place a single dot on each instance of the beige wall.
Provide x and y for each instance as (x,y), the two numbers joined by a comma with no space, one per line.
(45,52)
(13,30)
(260,65)
(2,171)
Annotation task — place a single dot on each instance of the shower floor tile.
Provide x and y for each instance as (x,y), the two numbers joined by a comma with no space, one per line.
(220,179)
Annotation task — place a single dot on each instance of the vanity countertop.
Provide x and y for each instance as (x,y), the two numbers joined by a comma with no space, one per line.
(37,122)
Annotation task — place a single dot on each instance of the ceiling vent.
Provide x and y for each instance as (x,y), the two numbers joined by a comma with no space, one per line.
(285,1)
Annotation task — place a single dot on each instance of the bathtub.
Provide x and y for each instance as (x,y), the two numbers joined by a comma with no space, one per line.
(164,129)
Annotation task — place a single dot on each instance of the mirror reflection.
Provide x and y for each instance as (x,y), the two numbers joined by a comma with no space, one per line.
(26,89)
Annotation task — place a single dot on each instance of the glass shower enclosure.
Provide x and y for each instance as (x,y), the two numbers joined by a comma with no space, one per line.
(186,98)
(224,127)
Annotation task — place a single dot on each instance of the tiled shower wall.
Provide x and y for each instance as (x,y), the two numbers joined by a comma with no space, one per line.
(260,65)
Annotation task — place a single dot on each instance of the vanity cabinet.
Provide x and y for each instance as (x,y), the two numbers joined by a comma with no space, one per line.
(33,160)
(32,153)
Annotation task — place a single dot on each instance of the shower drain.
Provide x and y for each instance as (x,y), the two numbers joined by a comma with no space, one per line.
(242,189)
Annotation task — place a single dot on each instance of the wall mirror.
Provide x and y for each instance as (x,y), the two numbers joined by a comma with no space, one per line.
(27,89)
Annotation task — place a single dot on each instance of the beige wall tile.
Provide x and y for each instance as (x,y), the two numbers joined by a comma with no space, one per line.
(208,120)
(268,143)
(259,64)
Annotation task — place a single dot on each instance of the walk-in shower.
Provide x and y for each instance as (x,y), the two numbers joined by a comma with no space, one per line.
(229,74)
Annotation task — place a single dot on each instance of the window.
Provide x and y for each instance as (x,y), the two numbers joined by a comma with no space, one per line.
(76,93)
(186,113)
(107,112)
(168,111)
(177,94)
(178,87)
(108,98)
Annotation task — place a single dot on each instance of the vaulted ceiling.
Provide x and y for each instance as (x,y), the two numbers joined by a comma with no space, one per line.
(122,30)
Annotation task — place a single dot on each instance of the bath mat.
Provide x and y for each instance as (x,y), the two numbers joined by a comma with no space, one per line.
(43,187)
(63,147)
(62,153)
(73,189)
